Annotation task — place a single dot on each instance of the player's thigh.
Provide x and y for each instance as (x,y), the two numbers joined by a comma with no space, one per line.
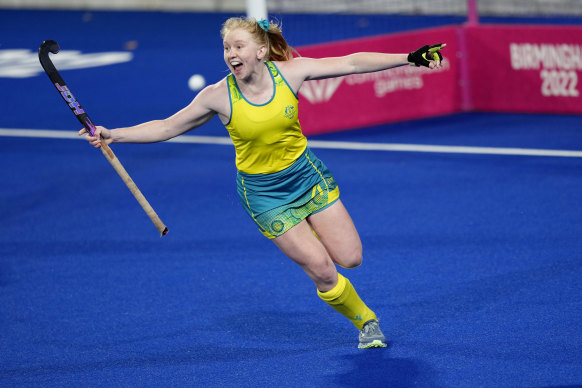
(300,245)
(338,234)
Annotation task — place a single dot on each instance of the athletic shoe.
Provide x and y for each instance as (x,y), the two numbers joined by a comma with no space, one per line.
(371,336)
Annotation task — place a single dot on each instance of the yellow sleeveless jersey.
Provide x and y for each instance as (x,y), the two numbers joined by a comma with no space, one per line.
(268,137)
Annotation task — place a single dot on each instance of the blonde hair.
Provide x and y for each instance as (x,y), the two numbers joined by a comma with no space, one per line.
(277,47)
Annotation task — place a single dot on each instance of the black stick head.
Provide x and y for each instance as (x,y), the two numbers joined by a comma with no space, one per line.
(50,45)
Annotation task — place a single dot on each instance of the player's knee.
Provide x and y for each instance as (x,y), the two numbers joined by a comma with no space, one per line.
(323,273)
(351,259)
(353,262)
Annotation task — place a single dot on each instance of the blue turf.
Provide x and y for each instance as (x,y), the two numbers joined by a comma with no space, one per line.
(477,129)
(472,262)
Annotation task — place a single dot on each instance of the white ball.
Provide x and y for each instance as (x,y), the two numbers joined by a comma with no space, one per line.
(196,82)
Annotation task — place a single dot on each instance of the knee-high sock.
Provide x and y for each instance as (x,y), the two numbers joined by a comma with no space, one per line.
(345,300)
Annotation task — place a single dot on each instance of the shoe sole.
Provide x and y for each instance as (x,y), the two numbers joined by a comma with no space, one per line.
(373,344)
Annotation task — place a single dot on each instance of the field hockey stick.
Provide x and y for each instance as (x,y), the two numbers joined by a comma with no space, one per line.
(43,55)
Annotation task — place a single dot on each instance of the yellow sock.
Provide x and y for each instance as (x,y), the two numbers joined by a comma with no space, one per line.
(345,300)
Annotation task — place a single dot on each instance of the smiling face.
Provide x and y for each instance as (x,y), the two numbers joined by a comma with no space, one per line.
(241,53)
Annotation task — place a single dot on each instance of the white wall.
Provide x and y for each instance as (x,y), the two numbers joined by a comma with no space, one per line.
(486,7)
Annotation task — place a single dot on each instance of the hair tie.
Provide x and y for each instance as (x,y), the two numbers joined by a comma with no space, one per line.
(264,24)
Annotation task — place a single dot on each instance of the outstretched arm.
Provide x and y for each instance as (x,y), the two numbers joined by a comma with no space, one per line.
(198,112)
(303,69)
(350,64)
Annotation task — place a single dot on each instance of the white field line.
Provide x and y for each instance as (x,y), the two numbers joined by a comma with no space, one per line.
(339,145)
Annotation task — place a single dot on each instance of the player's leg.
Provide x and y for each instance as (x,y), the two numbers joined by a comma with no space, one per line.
(301,245)
(337,232)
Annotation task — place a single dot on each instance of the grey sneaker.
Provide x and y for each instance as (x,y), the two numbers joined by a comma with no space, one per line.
(371,336)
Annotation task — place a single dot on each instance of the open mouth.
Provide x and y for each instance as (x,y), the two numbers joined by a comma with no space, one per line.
(236,65)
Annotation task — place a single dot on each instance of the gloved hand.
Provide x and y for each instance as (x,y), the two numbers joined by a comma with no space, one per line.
(427,55)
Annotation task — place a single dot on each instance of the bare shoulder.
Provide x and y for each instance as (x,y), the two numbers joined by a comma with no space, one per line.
(303,68)
(295,65)
(295,71)
(214,96)
(214,92)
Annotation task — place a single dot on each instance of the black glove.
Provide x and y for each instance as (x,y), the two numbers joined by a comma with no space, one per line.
(425,54)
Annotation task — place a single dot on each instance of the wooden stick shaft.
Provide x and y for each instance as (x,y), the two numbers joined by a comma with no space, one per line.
(56,79)
(108,153)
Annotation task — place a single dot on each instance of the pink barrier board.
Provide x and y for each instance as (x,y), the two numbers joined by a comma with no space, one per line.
(396,94)
(497,68)
(525,68)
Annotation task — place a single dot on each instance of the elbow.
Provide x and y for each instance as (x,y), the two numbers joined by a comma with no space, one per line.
(354,65)
(169,129)
(166,130)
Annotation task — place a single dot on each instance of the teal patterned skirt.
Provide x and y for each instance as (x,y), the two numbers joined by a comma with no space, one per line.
(281,200)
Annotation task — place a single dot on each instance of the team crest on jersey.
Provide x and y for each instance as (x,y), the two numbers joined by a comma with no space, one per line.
(290,112)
